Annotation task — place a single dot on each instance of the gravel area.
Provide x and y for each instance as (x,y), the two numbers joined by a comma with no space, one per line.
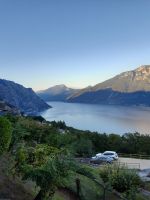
(136,163)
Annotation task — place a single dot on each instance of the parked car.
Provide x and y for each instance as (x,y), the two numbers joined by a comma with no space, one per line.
(111,154)
(97,155)
(101,159)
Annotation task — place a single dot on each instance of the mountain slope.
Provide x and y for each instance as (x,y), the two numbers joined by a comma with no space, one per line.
(128,88)
(56,93)
(130,81)
(22,98)
(6,108)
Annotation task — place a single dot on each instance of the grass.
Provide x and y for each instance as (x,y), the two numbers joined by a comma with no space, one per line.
(142,197)
(58,196)
(90,190)
(147,186)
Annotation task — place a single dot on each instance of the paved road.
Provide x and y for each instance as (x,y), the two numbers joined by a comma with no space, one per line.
(133,163)
(130,162)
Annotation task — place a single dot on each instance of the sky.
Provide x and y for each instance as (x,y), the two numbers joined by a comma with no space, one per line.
(73,42)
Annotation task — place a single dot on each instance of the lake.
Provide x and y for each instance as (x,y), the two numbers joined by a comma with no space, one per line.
(100,118)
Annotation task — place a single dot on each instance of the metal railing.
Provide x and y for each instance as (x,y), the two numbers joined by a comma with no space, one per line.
(130,165)
(137,156)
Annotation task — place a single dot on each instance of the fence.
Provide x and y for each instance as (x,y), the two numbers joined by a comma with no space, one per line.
(106,191)
(138,156)
(130,165)
(125,164)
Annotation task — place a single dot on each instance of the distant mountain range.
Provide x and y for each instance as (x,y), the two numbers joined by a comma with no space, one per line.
(57,93)
(127,88)
(24,99)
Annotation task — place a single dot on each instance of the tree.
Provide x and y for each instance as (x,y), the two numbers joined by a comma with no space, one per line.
(5,134)
(50,175)
(131,142)
(83,147)
(45,165)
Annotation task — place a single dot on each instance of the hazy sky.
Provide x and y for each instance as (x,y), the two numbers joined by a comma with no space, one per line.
(74,42)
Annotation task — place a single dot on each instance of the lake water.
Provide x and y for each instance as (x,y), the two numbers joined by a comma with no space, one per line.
(100,118)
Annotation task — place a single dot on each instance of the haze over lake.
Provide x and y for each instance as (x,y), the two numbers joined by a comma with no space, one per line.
(100,118)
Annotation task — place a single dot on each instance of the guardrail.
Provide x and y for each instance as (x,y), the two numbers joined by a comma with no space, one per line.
(138,156)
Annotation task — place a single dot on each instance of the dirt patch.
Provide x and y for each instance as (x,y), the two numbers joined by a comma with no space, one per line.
(13,190)
(67,194)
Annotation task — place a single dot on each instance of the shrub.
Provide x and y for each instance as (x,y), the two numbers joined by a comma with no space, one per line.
(105,174)
(5,134)
(124,179)
(120,178)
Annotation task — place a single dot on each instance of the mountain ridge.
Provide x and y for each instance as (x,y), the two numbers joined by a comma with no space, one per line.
(121,89)
(25,99)
(56,93)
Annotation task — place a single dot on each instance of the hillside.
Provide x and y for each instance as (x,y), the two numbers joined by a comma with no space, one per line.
(20,97)
(37,161)
(130,81)
(127,88)
(6,108)
(56,93)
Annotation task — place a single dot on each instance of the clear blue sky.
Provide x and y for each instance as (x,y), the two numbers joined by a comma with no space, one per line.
(74,42)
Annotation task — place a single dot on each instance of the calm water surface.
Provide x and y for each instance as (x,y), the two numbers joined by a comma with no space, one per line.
(101,118)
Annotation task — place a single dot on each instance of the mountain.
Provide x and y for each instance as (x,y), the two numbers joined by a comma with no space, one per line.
(56,93)
(20,97)
(6,108)
(127,88)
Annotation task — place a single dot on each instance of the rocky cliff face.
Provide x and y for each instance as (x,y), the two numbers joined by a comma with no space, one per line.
(127,88)
(6,108)
(20,97)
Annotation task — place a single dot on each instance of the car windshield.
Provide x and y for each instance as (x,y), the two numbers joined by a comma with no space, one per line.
(108,154)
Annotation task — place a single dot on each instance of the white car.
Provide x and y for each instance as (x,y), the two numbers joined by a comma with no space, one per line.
(97,155)
(101,159)
(111,154)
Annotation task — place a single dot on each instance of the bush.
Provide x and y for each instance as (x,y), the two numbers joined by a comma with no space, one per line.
(124,179)
(5,134)
(120,178)
(105,174)
(83,147)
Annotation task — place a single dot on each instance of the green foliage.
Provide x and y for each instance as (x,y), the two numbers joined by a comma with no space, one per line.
(120,178)
(131,194)
(21,155)
(142,197)
(51,174)
(58,197)
(59,124)
(83,147)
(88,189)
(80,143)
(19,133)
(124,179)
(105,174)
(42,154)
(5,134)
(37,118)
